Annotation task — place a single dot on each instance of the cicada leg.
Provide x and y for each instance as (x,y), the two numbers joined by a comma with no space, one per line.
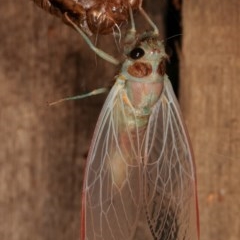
(92,93)
(148,19)
(130,38)
(98,51)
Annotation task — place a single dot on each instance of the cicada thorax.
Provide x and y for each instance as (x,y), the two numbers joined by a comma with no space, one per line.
(144,71)
(92,16)
(143,75)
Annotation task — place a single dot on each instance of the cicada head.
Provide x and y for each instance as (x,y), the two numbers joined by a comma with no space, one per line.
(144,70)
(146,57)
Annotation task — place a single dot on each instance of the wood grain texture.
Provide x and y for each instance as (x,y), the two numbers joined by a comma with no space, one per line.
(210,101)
(43,149)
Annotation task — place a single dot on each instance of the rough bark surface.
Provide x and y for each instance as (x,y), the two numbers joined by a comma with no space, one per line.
(210,101)
(43,149)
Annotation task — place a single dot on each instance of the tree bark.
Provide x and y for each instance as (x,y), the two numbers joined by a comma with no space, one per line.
(43,149)
(210,101)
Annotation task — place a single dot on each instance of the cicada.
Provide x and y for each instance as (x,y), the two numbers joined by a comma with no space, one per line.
(92,16)
(140,180)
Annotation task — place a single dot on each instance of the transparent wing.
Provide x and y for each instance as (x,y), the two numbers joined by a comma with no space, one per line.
(170,182)
(112,184)
(140,182)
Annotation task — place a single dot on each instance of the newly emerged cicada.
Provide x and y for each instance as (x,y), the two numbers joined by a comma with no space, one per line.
(92,16)
(140,180)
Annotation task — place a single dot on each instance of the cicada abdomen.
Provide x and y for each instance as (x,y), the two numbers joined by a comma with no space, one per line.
(92,16)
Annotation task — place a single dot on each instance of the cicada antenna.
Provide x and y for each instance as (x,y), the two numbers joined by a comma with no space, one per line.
(98,51)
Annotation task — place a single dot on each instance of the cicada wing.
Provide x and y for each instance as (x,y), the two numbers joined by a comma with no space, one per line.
(112,178)
(170,180)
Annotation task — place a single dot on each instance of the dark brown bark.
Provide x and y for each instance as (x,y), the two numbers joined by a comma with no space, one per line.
(210,101)
(43,149)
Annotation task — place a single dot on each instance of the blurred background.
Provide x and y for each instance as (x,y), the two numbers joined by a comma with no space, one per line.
(43,149)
